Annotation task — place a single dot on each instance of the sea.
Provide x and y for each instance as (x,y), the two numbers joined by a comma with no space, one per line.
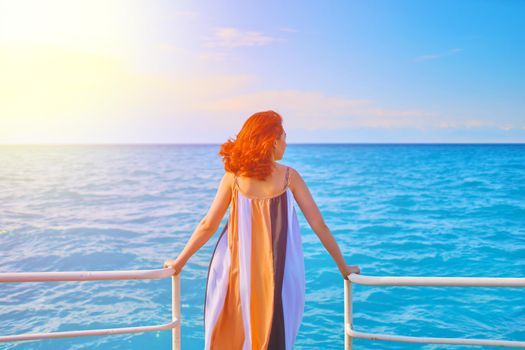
(430,210)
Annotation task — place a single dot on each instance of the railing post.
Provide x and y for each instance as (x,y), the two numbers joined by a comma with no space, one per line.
(348,313)
(175,311)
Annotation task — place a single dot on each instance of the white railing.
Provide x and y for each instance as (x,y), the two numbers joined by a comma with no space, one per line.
(350,333)
(174,325)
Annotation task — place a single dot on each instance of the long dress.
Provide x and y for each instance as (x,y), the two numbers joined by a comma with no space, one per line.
(255,287)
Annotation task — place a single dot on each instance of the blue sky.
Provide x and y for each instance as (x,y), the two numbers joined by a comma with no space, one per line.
(338,71)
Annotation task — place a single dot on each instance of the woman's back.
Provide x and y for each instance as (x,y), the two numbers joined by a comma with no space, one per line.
(256,283)
(274,184)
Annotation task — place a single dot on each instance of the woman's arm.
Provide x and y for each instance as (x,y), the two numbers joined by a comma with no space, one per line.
(313,215)
(207,226)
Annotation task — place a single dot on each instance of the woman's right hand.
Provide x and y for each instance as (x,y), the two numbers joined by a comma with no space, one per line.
(350,269)
(176,264)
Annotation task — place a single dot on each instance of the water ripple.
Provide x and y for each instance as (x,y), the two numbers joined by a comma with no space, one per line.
(424,210)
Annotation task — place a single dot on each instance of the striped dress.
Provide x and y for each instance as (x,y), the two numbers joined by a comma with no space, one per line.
(255,287)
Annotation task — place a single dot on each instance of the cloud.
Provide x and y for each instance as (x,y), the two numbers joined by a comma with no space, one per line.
(435,56)
(50,93)
(471,124)
(232,38)
(316,110)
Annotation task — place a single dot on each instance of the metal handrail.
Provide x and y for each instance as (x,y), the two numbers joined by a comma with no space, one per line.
(351,333)
(174,325)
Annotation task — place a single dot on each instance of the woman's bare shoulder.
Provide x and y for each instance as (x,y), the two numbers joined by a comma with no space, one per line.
(294,176)
(228,177)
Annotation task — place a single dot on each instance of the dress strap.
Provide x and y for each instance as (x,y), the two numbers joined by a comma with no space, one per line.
(287,178)
(235,183)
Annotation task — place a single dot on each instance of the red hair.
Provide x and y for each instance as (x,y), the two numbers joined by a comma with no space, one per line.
(250,153)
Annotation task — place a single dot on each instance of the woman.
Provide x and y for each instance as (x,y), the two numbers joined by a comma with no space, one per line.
(256,284)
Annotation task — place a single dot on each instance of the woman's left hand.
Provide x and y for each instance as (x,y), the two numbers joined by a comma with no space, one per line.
(176,264)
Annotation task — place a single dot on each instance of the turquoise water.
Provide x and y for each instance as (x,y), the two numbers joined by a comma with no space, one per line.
(396,210)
